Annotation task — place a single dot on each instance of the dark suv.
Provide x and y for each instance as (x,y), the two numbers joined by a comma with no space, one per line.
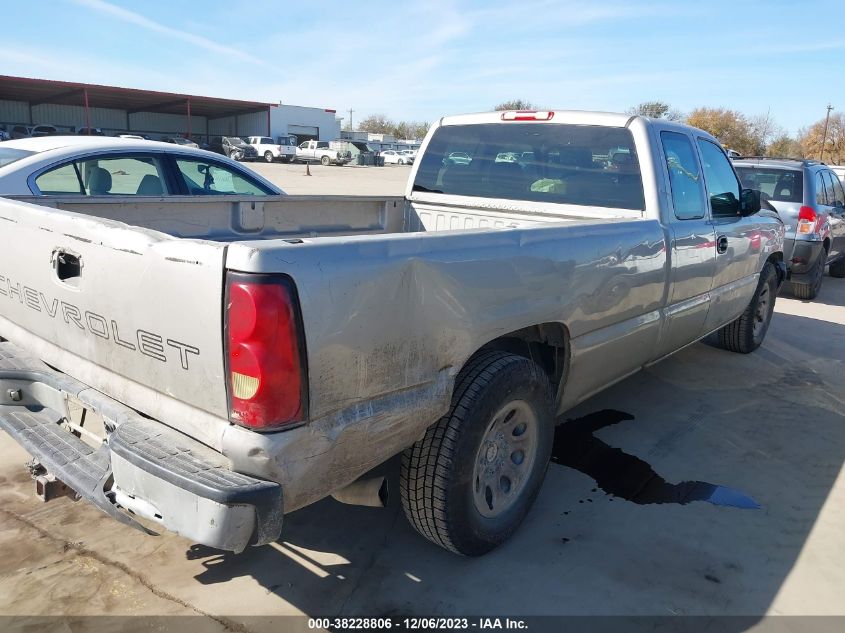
(233,147)
(811,202)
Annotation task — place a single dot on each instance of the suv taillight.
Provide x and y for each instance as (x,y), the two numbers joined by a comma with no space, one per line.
(265,354)
(807,218)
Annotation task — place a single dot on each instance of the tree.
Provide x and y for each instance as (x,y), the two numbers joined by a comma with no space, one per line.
(377,124)
(656,110)
(784,146)
(732,128)
(834,147)
(419,129)
(516,104)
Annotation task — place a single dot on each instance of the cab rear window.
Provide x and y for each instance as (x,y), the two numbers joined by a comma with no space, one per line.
(558,163)
(780,185)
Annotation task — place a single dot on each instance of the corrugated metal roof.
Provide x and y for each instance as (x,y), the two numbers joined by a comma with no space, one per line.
(41,91)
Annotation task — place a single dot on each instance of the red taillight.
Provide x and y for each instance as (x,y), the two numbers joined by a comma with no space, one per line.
(527,115)
(807,213)
(265,359)
(807,220)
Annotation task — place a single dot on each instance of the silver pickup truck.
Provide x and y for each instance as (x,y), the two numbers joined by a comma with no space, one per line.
(249,356)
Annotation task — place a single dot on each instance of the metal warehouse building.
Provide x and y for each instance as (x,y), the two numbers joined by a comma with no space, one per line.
(68,106)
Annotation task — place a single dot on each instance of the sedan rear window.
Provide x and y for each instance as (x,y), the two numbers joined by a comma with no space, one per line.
(780,185)
(558,163)
(9,156)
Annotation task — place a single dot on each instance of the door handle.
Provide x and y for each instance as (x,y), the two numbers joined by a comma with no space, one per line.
(722,244)
(67,266)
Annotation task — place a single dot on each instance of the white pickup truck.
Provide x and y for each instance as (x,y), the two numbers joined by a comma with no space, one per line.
(270,150)
(322,152)
(251,355)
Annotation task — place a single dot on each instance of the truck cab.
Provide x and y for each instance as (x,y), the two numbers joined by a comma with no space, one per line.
(271,150)
(322,152)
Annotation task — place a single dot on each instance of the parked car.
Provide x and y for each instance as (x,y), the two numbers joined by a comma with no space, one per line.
(89,131)
(270,151)
(458,158)
(138,137)
(181,140)
(27,131)
(233,147)
(93,166)
(393,157)
(246,364)
(322,152)
(408,152)
(810,200)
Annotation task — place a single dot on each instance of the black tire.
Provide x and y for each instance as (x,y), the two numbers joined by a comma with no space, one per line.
(268,156)
(438,478)
(742,335)
(837,268)
(325,161)
(810,290)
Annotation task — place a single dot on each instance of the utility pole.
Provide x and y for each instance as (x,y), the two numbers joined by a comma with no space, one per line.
(350,111)
(824,135)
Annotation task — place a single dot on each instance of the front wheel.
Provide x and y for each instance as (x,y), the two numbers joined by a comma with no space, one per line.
(469,482)
(746,333)
(268,156)
(325,161)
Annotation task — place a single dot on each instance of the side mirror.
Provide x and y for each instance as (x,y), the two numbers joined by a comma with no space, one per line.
(749,202)
(203,169)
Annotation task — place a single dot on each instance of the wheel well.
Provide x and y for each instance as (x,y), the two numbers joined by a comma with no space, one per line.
(547,344)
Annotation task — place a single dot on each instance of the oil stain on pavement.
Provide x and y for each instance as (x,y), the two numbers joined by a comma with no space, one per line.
(622,475)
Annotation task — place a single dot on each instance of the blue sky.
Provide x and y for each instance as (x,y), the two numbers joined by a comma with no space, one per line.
(421,60)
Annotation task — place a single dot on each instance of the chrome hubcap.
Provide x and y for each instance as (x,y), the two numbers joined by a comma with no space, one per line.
(505,458)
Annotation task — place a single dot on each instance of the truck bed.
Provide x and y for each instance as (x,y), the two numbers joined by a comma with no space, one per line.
(394,295)
(236,218)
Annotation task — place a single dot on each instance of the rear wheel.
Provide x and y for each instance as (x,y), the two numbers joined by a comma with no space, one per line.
(837,268)
(268,156)
(808,291)
(746,333)
(469,482)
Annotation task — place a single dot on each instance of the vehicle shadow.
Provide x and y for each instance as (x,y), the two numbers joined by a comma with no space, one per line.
(610,533)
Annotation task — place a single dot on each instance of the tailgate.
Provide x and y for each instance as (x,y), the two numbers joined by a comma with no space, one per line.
(131,312)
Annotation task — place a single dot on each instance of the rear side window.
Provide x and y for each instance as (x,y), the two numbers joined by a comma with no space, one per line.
(62,181)
(780,185)
(838,193)
(119,175)
(821,189)
(557,163)
(833,194)
(210,178)
(684,176)
(721,181)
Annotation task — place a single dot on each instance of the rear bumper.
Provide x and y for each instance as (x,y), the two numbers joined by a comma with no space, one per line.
(805,254)
(143,466)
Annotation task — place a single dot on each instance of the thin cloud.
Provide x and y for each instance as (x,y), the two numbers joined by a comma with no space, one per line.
(145,23)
